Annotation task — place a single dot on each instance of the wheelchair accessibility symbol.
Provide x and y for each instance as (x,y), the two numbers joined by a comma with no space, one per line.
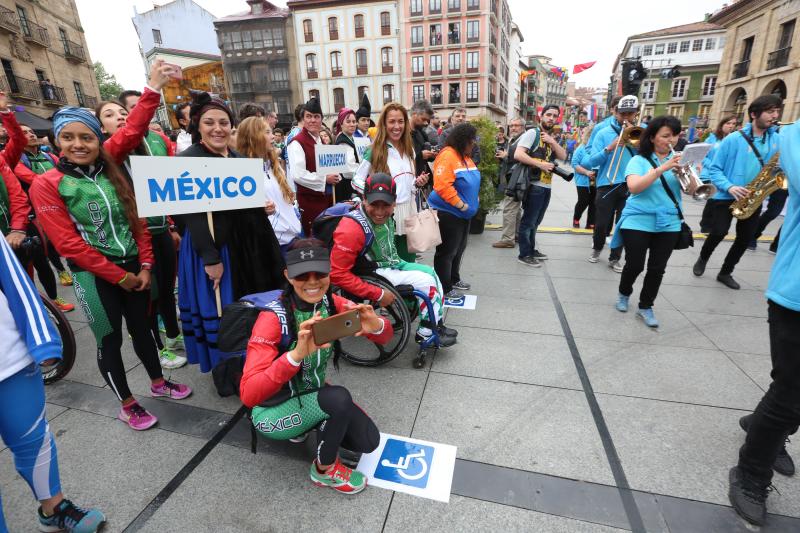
(406,463)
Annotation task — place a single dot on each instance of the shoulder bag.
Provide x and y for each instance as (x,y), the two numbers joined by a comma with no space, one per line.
(422,229)
(685,238)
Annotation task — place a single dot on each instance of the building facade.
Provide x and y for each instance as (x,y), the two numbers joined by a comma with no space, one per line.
(554,84)
(456,54)
(345,49)
(259,58)
(535,88)
(762,56)
(694,51)
(45,60)
(514,108)
(208,77)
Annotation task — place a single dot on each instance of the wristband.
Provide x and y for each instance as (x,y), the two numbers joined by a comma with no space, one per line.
(120,282)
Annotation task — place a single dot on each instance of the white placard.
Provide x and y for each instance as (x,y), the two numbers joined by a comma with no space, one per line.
(180,185)
(694,154)
(331,158)
(469,302)
(362,143)
(417,467)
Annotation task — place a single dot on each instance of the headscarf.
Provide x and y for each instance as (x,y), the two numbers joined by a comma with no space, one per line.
(343,113)
(69,114)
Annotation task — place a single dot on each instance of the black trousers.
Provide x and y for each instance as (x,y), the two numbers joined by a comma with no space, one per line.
(778,412)
(54,258)
(447,259)
(348,426)
(586,196)
(776,202)
(609,200)
(164,271)
(637,245)
(721,223)
(707,217)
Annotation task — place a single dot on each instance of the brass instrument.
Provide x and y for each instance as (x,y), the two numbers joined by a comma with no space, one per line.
(630,136)
(690,182)
(770,179)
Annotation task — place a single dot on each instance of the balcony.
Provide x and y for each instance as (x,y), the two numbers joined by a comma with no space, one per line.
(436,72)
(333,35)
(473,5)
(417,73)
(387,69)
(21,88)
(386,30)
(416,13)
(336,73)
(454,8)
(52,95)
(472,99)
(416,44)
(778,58)
(35,34)
(472,70)
(312,74)
(740,69)
(360,32)
(278,85)
(8,21)
(74,52)
(473,38)
(361,70)
(309,37)
(453,37)
(242,87)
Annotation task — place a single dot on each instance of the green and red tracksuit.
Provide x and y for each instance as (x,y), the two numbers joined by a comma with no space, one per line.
(288,399)
(14,205)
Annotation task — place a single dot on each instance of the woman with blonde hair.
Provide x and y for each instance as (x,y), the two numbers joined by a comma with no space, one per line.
(255,139)
(392,152)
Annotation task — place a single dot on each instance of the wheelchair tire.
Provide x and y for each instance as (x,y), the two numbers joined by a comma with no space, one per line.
(362,352)
(53,373)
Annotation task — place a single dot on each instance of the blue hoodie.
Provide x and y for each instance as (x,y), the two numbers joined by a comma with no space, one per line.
(600,159)
(784,280)
(581,180)
(735,163)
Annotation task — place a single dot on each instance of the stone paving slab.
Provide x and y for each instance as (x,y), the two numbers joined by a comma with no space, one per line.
(733,333)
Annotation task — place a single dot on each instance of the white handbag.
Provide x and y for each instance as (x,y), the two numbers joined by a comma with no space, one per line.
(422,230)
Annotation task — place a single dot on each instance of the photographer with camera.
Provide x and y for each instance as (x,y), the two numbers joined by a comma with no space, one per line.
(535,203)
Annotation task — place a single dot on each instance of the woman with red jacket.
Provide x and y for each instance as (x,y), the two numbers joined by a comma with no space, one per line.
(284,371)
(86,204)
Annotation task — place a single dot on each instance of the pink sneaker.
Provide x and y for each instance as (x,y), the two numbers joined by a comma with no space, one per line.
(176,391)
(137,417)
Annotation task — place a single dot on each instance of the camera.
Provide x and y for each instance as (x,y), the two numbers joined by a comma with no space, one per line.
(558,171)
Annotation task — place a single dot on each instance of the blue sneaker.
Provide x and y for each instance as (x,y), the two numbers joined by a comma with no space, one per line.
(622,303)
(648,316)
(70,517)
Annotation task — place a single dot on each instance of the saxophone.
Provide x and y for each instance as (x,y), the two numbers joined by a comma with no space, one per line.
(770,179)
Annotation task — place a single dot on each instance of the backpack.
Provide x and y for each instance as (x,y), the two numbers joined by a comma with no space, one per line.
(326,223)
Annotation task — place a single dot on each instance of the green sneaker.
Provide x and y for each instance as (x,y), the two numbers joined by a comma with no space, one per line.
(170,360)
(175,344)
(340,478)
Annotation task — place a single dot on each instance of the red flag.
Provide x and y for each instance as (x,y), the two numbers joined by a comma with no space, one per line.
(577,69)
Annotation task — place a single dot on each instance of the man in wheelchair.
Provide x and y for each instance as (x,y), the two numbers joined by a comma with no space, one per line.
(350,243)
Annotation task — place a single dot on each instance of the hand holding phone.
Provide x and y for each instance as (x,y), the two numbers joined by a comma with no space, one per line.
(177,71)
(336,327)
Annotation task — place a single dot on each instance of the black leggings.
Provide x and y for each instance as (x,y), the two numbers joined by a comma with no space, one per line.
(447,259)
(164,271)
(637,245)
(610,200)
(36,257)
(348,426)
(745,229)
(104,305)
(585,201)
(54,258)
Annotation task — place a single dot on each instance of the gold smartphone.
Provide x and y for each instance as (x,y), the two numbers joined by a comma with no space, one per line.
(336,327)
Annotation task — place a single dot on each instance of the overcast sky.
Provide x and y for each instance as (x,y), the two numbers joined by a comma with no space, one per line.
(581,31)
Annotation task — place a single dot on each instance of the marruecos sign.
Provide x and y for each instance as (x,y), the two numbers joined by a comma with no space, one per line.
(180,185)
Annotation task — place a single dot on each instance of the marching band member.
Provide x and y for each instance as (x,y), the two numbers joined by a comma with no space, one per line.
(726,126)
(736,162)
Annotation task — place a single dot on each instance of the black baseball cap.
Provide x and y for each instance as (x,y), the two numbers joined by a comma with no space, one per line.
(380,187)
(308,259)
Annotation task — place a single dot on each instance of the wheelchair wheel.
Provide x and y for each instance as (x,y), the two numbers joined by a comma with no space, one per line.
(361,351)
(53,373)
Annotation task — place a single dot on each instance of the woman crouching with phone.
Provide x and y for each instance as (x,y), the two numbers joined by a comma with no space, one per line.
(284,374)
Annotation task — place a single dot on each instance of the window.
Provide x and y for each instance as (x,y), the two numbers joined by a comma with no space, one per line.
(336,64)
(79,93)
(635,51)
(747,48)
(436,94)
(62,35)
(684,46)
(362,90)
(697,45)
(156,36)
(453,5)
(648,89)
(787,32)
(333,28)
(386,23)
(454,96)
(311,65)
(647,50)
(418,66)
(473,4)
(473,61)
(279,76)
(387,60)
(672,48)
(416,36)
(416,8)
(435,35)
(313,93)
(675,110)
(308,30)
(388,94)
(338,99)
(40,75)
(417,93)
(454,62)
(472,91)
(435,6)
(361,61)
(436,64)
(679,88)
(711,43)
(709,85)
(473,31)
(703,111)
(660,49)
(453,33)
(358,24)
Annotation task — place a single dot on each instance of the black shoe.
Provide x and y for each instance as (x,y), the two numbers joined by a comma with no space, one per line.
(445,341)
(728,281)
(449,332)
(784,464)
(749,499)
(699,267)
(539,255)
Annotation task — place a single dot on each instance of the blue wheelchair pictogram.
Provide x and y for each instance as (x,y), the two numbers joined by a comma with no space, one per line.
(406,463)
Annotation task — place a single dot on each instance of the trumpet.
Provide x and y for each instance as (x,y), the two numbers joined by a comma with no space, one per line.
(690,182)
(630,136)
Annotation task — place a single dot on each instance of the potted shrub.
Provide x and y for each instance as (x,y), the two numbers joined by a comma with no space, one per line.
(489,168)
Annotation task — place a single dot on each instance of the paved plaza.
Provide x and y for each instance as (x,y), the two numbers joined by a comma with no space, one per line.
(568,416)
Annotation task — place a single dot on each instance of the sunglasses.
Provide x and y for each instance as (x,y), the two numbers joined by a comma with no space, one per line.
(306,275)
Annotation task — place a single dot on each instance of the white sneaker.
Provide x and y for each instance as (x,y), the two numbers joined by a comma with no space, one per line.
(175,344)
(615,265)
(595,257)
(169,360)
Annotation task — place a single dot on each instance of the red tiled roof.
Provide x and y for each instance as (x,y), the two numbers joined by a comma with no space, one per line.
(694,27)
(269,11)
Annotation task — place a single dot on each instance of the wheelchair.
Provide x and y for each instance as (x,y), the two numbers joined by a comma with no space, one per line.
(401,315)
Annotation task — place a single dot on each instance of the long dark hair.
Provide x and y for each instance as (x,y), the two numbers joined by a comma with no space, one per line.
(123,189)
(646,146)
(718,133)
